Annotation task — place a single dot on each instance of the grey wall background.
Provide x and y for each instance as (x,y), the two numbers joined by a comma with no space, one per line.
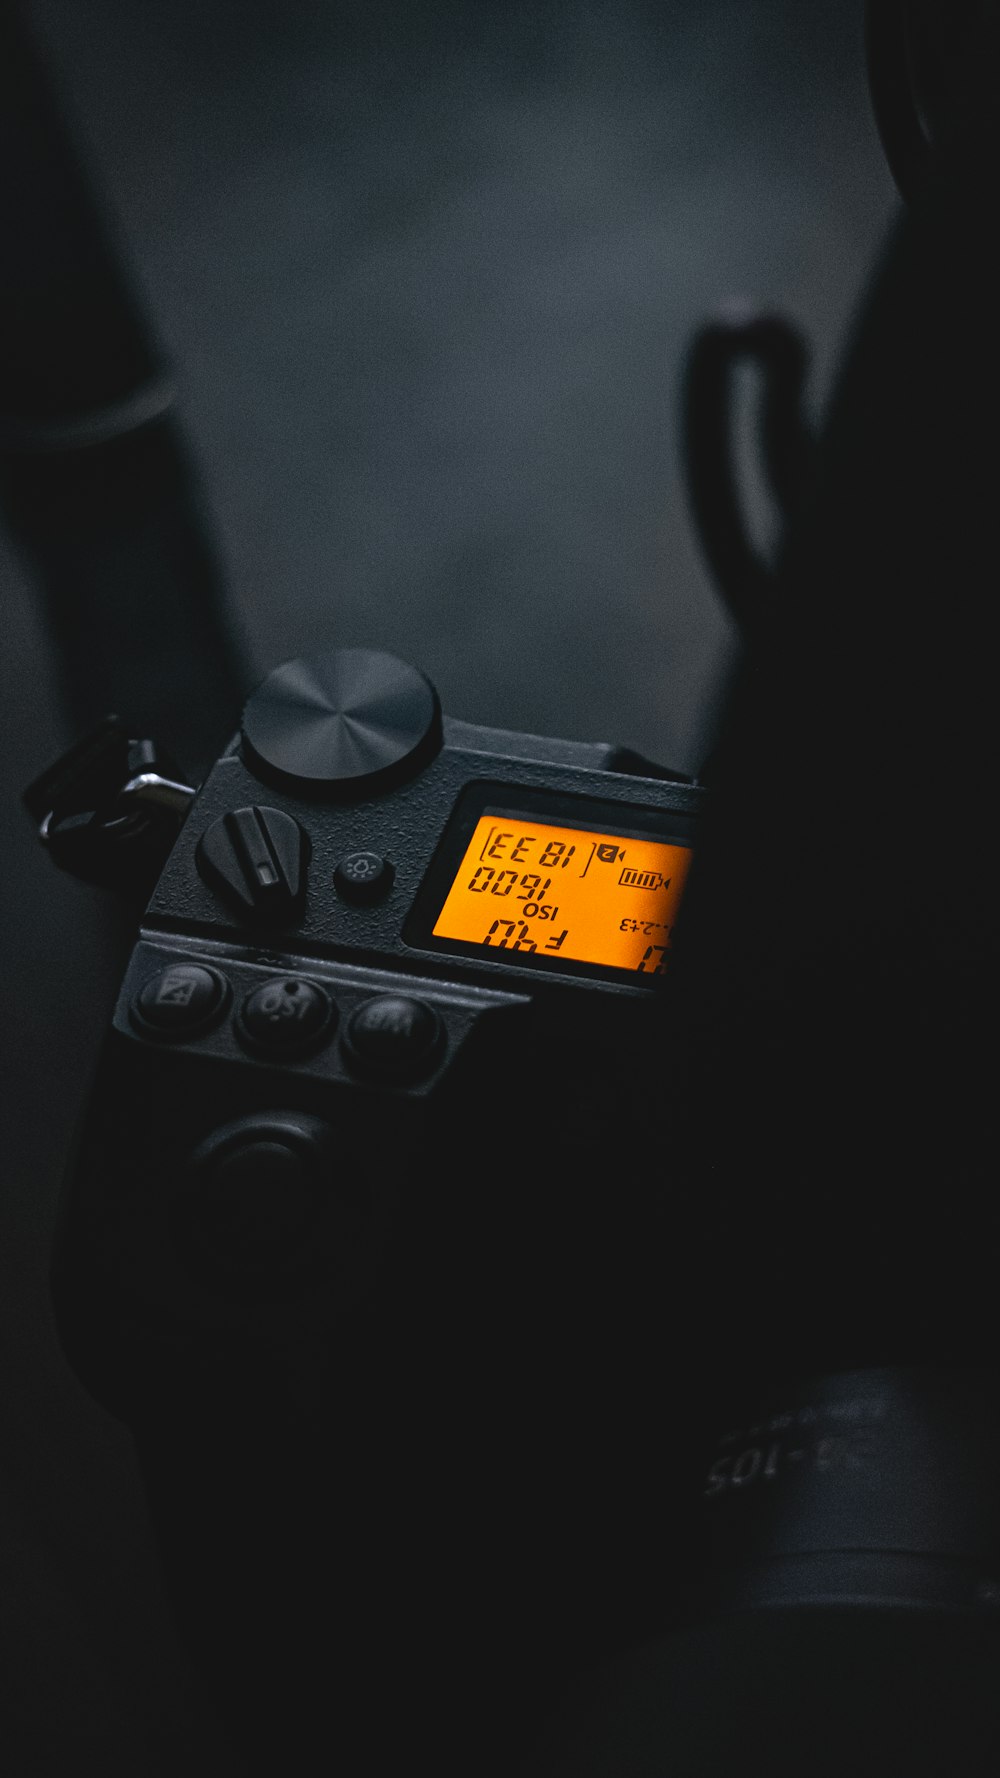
(428,274)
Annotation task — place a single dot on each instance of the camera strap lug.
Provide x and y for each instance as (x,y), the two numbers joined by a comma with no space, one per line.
(109,809)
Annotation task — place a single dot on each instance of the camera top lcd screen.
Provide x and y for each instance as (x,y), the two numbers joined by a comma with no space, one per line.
(560,893)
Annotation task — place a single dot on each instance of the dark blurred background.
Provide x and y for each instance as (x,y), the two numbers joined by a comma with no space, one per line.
(426,275)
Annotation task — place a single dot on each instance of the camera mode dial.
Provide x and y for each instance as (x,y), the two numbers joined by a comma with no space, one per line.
(348,722)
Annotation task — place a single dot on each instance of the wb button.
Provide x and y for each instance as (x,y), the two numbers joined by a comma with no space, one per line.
(394,1035)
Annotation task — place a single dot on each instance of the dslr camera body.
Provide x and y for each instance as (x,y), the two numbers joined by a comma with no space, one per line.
(365,1235)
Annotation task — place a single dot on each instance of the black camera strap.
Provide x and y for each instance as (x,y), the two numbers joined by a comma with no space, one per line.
(96,482)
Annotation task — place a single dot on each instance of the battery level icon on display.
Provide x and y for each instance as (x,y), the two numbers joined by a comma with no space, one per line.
(643,879)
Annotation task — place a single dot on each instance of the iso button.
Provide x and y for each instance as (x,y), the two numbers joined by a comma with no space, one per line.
(394,1036)
(286,1017)
(180,1001)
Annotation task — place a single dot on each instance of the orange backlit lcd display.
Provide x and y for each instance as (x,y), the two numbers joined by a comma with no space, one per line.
(602,898)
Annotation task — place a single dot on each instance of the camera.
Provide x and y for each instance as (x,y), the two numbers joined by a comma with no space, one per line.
(538,1345)
(483,1405)
(365,1234)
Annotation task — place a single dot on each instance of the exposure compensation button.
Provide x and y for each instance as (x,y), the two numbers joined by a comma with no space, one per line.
(180,1001)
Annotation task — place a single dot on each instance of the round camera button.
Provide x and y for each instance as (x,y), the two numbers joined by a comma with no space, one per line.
(180,1001)
(394,1034)
(287,1015)
(363,877)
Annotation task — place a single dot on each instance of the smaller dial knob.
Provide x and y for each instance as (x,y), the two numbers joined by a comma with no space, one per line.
(345,723)
(256,859)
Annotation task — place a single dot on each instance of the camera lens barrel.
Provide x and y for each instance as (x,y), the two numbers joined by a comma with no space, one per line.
(845,1610)
(869,1488)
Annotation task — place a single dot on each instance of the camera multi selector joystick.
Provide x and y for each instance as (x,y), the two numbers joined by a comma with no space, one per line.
(255,1188)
